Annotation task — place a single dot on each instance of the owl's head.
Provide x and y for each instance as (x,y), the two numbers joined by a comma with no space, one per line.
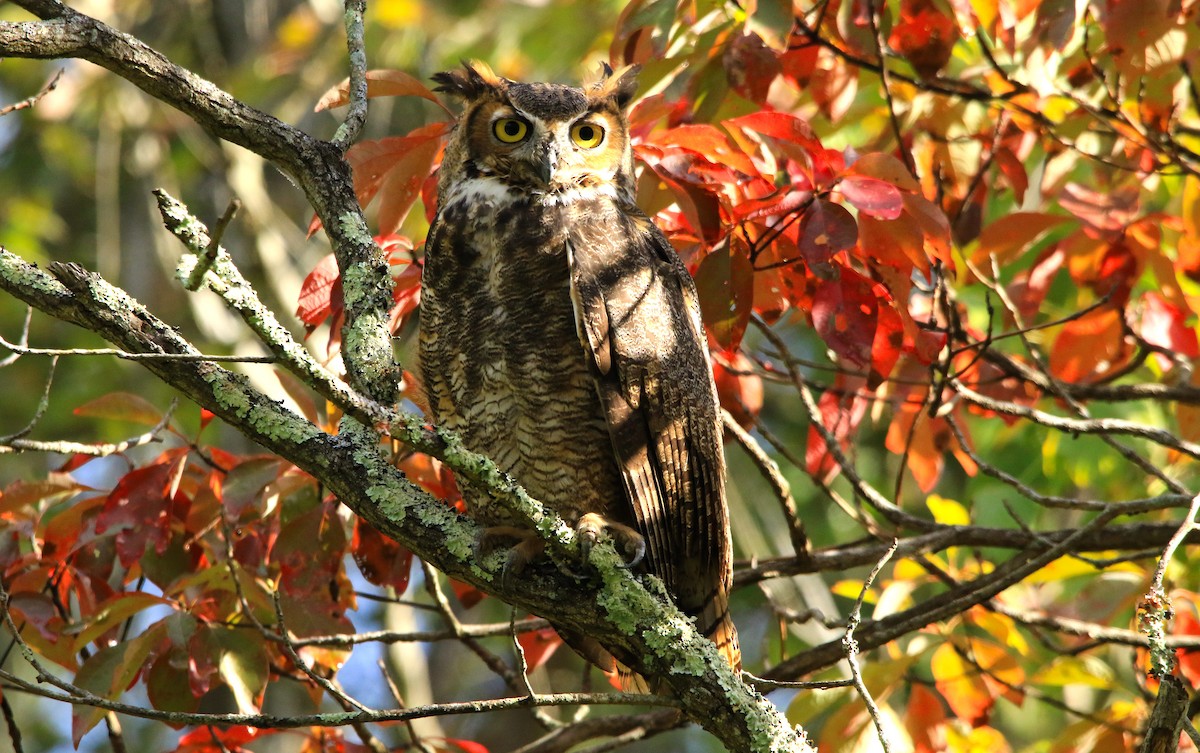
(539,138)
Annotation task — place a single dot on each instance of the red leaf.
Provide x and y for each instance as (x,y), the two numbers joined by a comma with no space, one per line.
(206,417)
(709,143)
(689,176)
(211,739)
(320,293)
(140,508)
(539,645)
(395,168)
(842,409)
(1164,324)
(825,230)
(380,83)
(453,745)
(924,36)
(781,126)
(75,461)
(467,594)
(1013,170)
(381,560)
(739,389)
(924,719)
(725,285)
(873,196)
(845,313)
(782,202)
(886,347)
(751,66)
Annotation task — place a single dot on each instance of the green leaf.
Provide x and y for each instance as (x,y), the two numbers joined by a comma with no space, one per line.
(109,672)
(113,612)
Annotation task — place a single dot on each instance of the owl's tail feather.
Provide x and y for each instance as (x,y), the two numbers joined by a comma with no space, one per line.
(715,624)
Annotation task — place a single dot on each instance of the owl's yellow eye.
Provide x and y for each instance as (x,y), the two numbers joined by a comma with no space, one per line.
(510,130)
(587,135)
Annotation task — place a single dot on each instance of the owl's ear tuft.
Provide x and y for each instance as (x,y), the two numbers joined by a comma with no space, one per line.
(619,85)
(472,81)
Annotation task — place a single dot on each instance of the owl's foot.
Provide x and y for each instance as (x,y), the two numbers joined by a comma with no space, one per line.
(629,543)
(528,547)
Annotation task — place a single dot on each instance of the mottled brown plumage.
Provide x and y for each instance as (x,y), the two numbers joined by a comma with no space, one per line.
(560,335)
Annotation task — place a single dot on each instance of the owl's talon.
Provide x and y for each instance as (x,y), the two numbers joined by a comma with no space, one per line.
(520,554)
(627,541)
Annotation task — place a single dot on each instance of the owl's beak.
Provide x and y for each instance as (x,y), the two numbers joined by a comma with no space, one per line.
(545,159)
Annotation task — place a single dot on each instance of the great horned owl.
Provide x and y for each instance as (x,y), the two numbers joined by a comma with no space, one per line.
(561,336)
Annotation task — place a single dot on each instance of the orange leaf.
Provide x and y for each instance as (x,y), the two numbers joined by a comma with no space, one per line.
(395,168)
(885,167)
(961,685)
(1008,236)
(1089,347)
(1189,659)
(380,83)
(925,720)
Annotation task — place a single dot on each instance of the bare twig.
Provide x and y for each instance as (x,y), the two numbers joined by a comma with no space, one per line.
(851,648)
(64,447)
(31,101)
(129,356)
(1155,610)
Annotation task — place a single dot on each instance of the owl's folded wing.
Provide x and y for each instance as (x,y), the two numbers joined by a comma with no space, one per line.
(638,315)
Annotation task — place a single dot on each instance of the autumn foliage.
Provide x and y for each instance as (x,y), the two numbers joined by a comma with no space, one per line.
(948,258)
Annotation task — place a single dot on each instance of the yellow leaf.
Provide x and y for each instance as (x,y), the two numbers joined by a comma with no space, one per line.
(947,511)
(910,571)
(851,589)
(960,684)
(978,740)
(1002,628)
(1073,567)
(1075,670)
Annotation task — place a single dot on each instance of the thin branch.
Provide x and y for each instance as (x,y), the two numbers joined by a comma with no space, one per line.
(98,450)
(347,133)
(10,721)
(31,101)
(1154,610)
(850,646)
(130,356)
(885,80)
(39,411)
